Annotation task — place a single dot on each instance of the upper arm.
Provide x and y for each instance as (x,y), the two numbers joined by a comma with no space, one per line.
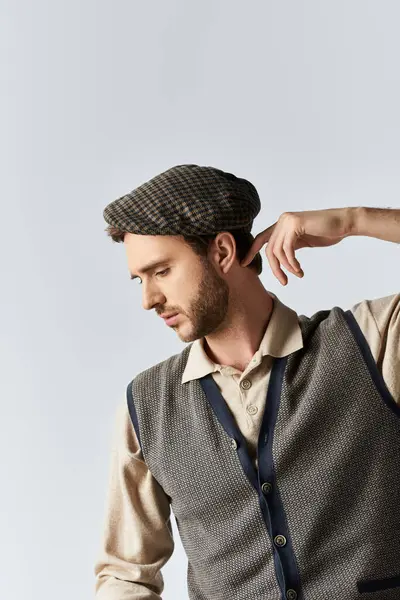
(137,535)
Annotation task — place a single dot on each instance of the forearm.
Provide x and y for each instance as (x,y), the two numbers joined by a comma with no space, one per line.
(381,223)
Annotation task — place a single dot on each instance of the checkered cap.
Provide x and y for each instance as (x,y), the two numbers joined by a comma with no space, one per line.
(186,199)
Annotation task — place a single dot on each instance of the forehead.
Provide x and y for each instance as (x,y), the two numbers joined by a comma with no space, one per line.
(144,249)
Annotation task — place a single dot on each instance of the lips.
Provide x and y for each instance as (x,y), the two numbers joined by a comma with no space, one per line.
(172,320)
(165,316)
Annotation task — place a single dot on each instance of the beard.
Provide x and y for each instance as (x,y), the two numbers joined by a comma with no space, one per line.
(208,310)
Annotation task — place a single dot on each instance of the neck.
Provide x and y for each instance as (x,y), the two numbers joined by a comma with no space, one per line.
(239,337)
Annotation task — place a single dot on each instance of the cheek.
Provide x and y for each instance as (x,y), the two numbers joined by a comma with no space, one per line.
(184,288)
(186,278)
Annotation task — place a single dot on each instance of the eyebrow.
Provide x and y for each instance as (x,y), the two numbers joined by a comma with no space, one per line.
(150,266)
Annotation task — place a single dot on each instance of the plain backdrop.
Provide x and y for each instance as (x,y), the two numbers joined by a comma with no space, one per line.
(300,97)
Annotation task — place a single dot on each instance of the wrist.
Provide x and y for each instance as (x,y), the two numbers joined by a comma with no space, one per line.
(355,220)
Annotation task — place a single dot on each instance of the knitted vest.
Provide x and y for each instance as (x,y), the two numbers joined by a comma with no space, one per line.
(320,517)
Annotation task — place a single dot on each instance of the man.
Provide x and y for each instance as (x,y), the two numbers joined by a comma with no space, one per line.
(274,438)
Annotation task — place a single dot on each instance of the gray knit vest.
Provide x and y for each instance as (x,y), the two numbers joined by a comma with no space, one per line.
(320,517)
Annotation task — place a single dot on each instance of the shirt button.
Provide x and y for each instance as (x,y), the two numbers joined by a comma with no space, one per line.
(266,487)
(233,443)
(280,540)
(251,409)
(245,384)
(291,595)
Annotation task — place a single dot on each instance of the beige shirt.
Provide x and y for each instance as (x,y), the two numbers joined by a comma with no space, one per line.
(137,538)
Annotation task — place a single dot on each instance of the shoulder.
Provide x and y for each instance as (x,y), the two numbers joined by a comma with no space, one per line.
(377,318)
(379,311)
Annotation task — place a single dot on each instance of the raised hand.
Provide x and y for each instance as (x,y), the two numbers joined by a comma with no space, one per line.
(295,230)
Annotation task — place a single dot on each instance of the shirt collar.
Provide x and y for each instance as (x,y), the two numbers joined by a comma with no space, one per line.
(282,337)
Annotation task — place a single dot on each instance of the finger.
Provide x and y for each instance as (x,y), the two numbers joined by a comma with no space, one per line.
(274,263)
(261,238)
(289,246)
(256,246)
(279,251)
(281,247)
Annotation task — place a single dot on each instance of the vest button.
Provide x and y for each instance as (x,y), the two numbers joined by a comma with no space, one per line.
(266,487)
(291,595)
(251,409)
(233,443)
(245,384)
(280,540)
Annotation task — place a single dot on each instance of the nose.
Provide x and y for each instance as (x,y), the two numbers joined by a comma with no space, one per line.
(152,298)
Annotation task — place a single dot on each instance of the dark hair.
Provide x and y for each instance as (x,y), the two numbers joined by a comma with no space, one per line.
(201,243)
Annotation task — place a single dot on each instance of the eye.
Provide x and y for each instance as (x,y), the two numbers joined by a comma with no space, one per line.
(162,273)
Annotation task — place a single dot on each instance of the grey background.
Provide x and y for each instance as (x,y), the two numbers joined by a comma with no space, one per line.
(302,98)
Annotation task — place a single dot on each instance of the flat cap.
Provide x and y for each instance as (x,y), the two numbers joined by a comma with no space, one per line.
(186,199)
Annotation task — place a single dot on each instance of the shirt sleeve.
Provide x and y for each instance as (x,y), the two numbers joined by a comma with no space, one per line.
(137,536)
(379,320)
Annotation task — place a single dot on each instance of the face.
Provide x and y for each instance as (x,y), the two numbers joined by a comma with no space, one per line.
(182,283)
